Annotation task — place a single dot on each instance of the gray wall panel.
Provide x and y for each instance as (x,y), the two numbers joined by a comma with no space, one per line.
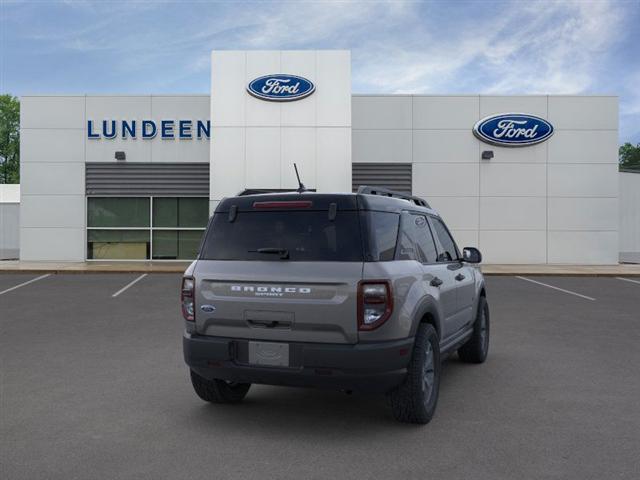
(381,112)
(384,146)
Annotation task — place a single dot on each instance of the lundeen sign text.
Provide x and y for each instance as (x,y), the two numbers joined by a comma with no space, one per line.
(148,129)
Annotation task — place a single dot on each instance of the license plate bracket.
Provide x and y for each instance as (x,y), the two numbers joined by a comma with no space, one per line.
(269,353)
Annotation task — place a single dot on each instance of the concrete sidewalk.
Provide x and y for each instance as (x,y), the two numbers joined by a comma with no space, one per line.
(15,266)
(620,270)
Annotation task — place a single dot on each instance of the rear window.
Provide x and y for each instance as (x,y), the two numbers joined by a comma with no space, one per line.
(306,236)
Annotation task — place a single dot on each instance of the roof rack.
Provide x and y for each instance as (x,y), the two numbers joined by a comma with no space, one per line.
(385,192)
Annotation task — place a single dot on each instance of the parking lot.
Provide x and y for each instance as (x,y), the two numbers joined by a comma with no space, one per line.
(94,386)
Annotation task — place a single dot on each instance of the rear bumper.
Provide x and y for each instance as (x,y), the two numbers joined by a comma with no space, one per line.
(373,367)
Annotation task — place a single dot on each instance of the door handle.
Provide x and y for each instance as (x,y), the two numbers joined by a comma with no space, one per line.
(459,277)
(436,282)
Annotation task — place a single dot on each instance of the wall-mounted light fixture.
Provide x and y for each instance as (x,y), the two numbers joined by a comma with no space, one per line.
(121,156)
(487,155)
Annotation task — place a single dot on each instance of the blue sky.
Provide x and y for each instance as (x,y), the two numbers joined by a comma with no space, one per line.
(133,46)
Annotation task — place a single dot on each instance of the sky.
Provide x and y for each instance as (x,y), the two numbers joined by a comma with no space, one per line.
(443,47)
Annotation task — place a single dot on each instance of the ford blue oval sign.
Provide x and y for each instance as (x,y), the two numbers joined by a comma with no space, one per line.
(281,87)
(513,129)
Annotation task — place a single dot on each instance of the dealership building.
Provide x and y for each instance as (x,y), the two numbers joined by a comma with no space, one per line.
(135,177)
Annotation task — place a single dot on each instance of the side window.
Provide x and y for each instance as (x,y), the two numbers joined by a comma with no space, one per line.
(449,250)
(416,241)
(424,239)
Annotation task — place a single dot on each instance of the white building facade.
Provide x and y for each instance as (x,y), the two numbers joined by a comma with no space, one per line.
(135,177)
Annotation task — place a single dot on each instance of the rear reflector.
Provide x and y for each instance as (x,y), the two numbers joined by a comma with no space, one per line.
(284,204)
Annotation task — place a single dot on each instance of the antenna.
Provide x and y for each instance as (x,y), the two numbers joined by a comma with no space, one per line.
(301,187)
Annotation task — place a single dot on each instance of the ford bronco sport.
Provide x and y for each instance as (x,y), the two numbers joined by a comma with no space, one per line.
(364,291)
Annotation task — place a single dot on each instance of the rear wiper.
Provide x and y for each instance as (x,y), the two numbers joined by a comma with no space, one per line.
(283,252)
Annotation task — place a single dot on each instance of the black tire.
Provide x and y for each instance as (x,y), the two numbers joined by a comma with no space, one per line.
(477,347)
(415,400)
(218,391)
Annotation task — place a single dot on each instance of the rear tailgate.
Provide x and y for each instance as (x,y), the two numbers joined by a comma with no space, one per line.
(278,300)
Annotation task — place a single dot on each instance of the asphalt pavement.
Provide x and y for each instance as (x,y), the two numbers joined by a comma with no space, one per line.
(93,386)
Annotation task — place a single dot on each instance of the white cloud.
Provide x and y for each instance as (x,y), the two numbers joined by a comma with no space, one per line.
(565,53)
(537,48)
(398,46)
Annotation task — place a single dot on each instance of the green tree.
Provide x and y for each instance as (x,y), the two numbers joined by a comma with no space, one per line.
(9,139)
(629,156)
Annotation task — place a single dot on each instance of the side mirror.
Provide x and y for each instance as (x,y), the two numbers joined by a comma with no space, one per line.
(471,255)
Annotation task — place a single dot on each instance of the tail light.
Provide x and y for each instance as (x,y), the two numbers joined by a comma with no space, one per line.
(187,298)
(375,303)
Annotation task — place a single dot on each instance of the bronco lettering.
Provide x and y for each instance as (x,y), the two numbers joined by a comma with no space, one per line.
(269,289)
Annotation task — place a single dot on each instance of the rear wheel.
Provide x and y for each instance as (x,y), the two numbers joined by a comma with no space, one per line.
(415,400)
(477,347)
(218,391)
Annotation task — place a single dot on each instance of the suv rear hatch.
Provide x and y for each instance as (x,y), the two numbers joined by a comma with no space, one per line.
(281,267)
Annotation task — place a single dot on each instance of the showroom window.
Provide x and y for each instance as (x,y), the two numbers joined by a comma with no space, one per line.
(145,228)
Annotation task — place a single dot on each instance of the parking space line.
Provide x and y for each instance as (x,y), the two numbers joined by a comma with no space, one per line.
(628,280)
(556,288)
(25,283)
(130,284)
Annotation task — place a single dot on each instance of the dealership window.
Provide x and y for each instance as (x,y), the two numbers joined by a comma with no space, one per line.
(145,228)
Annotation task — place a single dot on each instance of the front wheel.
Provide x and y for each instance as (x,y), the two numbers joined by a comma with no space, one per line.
(218,391)
(477,347)
(415,400)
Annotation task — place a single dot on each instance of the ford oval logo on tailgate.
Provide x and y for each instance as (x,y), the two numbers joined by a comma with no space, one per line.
(281,87)
(513,129)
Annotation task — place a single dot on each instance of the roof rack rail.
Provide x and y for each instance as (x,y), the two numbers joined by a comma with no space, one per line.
(385,192)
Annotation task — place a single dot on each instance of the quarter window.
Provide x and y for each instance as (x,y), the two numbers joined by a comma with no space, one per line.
(382,234)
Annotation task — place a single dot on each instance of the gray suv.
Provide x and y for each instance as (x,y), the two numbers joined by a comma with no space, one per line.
(365,291)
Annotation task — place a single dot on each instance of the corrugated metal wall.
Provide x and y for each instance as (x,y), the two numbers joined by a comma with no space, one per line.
(394,176)
(168,179)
